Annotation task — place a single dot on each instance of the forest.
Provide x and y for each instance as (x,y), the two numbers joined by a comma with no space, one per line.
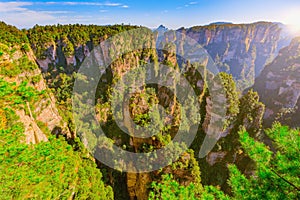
(48,152)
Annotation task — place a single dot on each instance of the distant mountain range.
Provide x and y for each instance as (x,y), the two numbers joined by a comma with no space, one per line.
(220,23)
(238,49)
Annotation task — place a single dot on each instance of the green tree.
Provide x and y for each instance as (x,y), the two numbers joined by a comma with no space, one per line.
(169,189)
(47,170)
(277,175)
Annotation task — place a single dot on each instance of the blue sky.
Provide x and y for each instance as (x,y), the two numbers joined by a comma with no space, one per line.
(171,13)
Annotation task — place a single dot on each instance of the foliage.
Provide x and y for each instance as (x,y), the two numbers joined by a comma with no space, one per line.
(251,112)
(47,170)
(170,189)
(68,37)
(14,95)
(60,170)
(14,45)
(232,98)
(17,67)
(11,36)
(277,174)
(62,86)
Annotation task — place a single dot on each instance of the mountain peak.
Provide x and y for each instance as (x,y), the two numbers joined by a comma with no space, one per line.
(162,27)
(220,23)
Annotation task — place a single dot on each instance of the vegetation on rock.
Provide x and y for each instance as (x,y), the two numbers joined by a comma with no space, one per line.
(240,166)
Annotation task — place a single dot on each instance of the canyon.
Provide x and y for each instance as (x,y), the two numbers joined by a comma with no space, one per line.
(258,57)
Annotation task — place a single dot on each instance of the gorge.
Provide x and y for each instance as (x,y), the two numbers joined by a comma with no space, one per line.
(256,62)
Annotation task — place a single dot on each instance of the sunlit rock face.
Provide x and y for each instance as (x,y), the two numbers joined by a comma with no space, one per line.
(279,86)
(242,50)
(43,110)
(239,49)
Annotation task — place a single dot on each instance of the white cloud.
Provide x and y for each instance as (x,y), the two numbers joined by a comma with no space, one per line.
(48,3)
(22,15)
(17,14)
(192,3)
(27,18)
(13,6)
(56,12)
(74,3)
(112,4)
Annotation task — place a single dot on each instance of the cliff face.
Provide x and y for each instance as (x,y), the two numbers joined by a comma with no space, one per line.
(279,86)
(228,42)
(55,57)
(241,50)
(58,47)
(17,64)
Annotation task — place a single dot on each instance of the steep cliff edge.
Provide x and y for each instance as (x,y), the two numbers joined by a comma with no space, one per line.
(17,64)
(239,49)
(66,47)
(279,86)
(33,162)
(61,52)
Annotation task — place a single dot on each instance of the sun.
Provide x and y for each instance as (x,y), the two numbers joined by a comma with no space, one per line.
(292,19)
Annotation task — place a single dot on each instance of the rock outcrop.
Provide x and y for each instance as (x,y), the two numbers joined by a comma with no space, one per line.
(244,48)
(17,64)
(238,49)
(279,86)
(241,50)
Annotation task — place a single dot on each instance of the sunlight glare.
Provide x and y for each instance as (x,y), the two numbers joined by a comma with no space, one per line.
(293,21)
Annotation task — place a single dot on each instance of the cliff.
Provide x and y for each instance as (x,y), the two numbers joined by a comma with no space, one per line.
(35,161)
(241,50)
(17,65)
(66,47)
(279,86)
(238,49)
(62,51)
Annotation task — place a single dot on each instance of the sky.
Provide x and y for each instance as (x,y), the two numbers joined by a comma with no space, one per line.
(151,13)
